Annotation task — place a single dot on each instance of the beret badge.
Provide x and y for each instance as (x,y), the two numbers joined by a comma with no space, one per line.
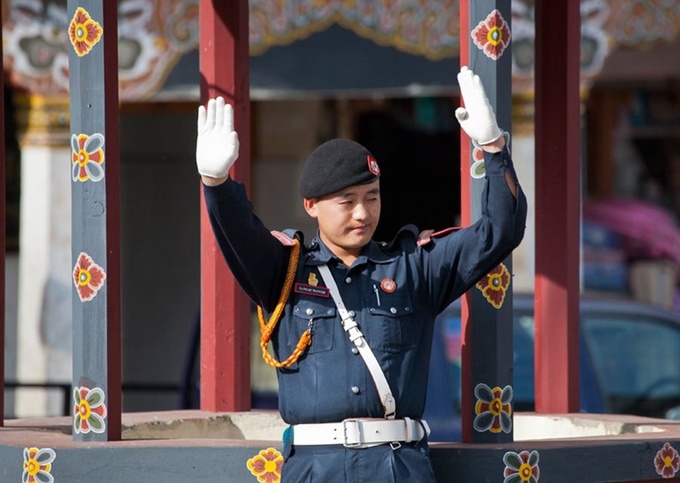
(373,165)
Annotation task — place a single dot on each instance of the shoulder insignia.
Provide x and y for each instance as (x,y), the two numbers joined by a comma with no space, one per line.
(407,229)
(426,236)
(285,240)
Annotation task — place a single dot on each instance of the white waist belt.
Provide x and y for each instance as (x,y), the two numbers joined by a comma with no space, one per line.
(361,433)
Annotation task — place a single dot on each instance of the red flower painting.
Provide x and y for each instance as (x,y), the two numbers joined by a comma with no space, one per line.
(494,285)
(83,32)
(88,277)
(492,35)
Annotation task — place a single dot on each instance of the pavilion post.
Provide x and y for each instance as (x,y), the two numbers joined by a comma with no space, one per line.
(95,223)
(487,358)
(3,241)
(558,165)
(225,309)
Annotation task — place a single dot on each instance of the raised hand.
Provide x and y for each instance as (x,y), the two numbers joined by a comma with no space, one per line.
(477,118)
(217,142)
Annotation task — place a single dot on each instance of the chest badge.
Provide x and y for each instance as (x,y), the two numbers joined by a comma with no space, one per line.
(388,285)
(311,287)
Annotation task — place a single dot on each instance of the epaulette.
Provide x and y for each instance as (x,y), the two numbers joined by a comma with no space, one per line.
(426,236)
(403,231)
(287,237)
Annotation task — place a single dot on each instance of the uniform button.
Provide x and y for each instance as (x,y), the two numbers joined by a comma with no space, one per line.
(329,311)
(309,311)
(355,389)
(355,350)
(372,309)
(407,309)
(393,310)
(352,313)
(348,280)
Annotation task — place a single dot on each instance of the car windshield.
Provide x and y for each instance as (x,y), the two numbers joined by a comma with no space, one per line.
(631,365)
(523,350)
(636,360)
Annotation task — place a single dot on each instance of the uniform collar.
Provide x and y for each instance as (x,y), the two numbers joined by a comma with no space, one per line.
(320,254)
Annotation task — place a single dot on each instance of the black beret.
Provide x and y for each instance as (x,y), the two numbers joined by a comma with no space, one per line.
(335,165)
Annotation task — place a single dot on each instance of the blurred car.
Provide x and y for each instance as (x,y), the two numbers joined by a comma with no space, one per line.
(629,362)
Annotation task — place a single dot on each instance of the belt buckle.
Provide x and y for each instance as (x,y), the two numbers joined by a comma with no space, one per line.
(351,425)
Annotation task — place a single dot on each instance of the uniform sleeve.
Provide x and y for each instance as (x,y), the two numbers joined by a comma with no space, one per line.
(455,262)
(255,257)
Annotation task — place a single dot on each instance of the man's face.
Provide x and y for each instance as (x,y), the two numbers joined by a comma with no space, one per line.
(348,218)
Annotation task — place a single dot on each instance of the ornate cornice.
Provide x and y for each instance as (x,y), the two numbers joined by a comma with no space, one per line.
(155,34)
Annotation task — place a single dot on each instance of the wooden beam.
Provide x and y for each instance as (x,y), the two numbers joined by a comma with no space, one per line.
(558,161)
(487,358)
(93,62)
(225,309)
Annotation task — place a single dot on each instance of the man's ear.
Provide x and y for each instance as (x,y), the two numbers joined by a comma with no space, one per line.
(310,207)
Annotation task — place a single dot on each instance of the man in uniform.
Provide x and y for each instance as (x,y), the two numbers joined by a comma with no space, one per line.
(350,319)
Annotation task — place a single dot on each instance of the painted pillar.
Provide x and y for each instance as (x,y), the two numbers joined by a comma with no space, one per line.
(44,275)
(487,308)
(558,160)
(225,309)
(93,61)
(2,241)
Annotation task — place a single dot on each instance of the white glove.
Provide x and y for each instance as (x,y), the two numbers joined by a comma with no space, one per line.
(217,142)
(477,117)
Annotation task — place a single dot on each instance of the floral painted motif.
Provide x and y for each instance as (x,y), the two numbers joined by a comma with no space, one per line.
(84,32)
(89,410)
(87,157)
(266,466)
(413,26)
(667,461)
(37,465)
(152,36)
(521,468)
(493,409)
(598,19)
(478,168)
(492,36)
(88,277)
(494,285)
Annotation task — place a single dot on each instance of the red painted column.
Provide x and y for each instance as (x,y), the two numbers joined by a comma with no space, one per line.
(225,309)
(467,404)
(2,239)
(557,206)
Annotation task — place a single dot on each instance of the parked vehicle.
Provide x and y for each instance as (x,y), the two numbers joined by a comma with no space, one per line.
(629,362)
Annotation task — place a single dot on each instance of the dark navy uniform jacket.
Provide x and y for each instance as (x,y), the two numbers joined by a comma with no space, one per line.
(330,382)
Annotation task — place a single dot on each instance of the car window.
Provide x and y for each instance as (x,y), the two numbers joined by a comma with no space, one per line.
(523,355)
(637,360)
(523,358)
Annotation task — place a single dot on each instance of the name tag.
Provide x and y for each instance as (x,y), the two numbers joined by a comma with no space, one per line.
(311,290)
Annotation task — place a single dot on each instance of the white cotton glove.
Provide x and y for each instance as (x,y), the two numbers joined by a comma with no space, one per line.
(477,117)
(217,142)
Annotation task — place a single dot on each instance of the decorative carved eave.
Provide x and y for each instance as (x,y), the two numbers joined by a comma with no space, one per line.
(155,34)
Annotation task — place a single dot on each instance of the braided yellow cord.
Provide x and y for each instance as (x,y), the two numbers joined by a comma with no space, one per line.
(267,328)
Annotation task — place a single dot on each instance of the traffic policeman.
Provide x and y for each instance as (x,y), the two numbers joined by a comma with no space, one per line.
(350,320)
